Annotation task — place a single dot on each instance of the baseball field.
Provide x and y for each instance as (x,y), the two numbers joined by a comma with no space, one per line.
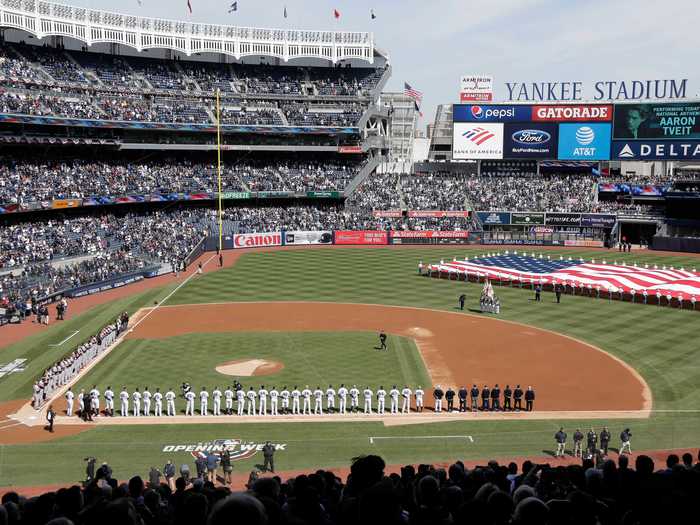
(311,317)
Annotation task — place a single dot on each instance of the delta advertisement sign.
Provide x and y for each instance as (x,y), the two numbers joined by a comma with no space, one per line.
(656,150)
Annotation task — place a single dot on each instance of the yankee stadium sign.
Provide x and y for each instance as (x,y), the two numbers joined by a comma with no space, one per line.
(655,89)
(237,448)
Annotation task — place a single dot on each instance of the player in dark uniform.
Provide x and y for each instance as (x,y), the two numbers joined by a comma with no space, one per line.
(518,398)
(495,398)
(474,394)
(591,441)
(463,399)
(507,394)
(538,292)
(604,440)
(485,395)
(462,298)
(438,394)
(557,292)
(578,442)
(529,399)
(382,340)
(450,396)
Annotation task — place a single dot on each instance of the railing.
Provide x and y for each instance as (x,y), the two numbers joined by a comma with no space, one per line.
(91,26)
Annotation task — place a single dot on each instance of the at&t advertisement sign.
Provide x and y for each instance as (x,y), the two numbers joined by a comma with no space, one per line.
(585,141)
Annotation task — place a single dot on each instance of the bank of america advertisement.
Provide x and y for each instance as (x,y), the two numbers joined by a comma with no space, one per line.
(477,141)
(585,141)
(657,121)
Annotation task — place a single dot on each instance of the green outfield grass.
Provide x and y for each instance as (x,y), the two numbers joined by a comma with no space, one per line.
(661,343)
(313,358)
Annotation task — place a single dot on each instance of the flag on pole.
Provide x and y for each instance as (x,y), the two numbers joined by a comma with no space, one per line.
(189,6)
(140,2)
(336,13)
(233,7)
(371,14)
(416,95)
(285,11)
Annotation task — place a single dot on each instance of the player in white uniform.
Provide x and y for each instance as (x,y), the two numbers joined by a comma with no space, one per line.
(228,400)
(354,399)
(394,394)
(109,401)
(330,399)
(136,398)
(406,393)
(274,394)
(296,394)
(342,398)
(170,401)
(251,401)
(69,402)
(368,400)
(203,402)
(306,394)
(81,402)
(240,399)
(124,402)
(95,401)
(318,401)
(146,402)
(419,398)
(285,400)
(381,398)
(189,408)
(262,401)
(216,395)
(158,401)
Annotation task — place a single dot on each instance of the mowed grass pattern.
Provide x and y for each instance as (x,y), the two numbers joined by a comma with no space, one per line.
(309,358)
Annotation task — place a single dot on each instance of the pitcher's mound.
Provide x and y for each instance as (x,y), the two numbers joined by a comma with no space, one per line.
(249,367)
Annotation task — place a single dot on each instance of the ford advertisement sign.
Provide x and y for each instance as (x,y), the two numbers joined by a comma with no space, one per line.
(491,113)
(532,140)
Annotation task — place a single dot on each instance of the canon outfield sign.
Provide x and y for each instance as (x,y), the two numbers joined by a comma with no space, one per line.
(257,240)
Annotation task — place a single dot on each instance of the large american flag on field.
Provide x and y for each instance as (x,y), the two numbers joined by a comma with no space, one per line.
(676,282)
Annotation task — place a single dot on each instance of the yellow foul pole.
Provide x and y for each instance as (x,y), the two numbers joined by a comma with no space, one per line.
(218,165)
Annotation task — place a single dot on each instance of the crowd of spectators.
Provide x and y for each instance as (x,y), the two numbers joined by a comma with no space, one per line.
(439,191)
(604,491)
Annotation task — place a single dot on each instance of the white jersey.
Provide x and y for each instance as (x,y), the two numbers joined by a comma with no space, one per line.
(394,393)
(146,396)
(262,394)
(158,397)
(240,396)
(216,394)
(306,393)
(189,396)
(170,396)
(354,394)
(296,394)
(419,393)
(330,394)
(285,395)
(228,394)
(368,393)
(124,396)
(342,392)
(406,393)
(109,395)
(381,394)
(251,395)
(274,394)
(203,396)
(136,396)
(318,394)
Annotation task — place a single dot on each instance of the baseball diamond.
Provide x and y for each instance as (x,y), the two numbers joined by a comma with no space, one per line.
(269,274)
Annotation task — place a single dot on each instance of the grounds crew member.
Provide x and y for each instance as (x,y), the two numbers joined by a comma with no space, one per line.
(463,399)
(462,298)
(268,454)
(450,397)
(382,340)
(625,437)
(591,441)
(438,394)
(507,394)
(529,398)
(578,443)
(474,394)
(517,398)
(560,438)
(604,440)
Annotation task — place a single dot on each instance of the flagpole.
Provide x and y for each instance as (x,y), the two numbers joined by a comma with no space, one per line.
(218,164)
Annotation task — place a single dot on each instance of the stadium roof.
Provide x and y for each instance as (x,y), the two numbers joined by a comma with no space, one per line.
(42,19)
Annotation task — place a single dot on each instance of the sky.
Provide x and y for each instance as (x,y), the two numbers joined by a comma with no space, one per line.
(431,43)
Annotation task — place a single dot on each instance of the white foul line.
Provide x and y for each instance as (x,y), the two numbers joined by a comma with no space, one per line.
(66,339)
(372,438)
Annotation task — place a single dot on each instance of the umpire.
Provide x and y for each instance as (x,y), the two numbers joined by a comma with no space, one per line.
(507,394)
(518,398)
(474,394)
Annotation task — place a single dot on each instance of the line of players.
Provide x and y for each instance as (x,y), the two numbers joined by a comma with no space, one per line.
(255,402)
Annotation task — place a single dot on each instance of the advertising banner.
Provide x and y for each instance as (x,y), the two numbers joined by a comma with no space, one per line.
(350,149)
(361,237)
(476,88)
(563,219)
(274,194)
(598,220)
(428,234)
(477,141)
(235,195)
(587,141)
(657,121)
(525,242)
(308,237)
(573,113)
(493,217)
(656,149)
(581,243)
(387,213)
(323,194)
(530,140)
(438,213)
(9,208)
(491,113)
(254,240)
(61,204)
(526,218)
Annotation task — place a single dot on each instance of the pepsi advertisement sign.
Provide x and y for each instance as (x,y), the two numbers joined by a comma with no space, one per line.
(532,140)
(491,113)
(584,141)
